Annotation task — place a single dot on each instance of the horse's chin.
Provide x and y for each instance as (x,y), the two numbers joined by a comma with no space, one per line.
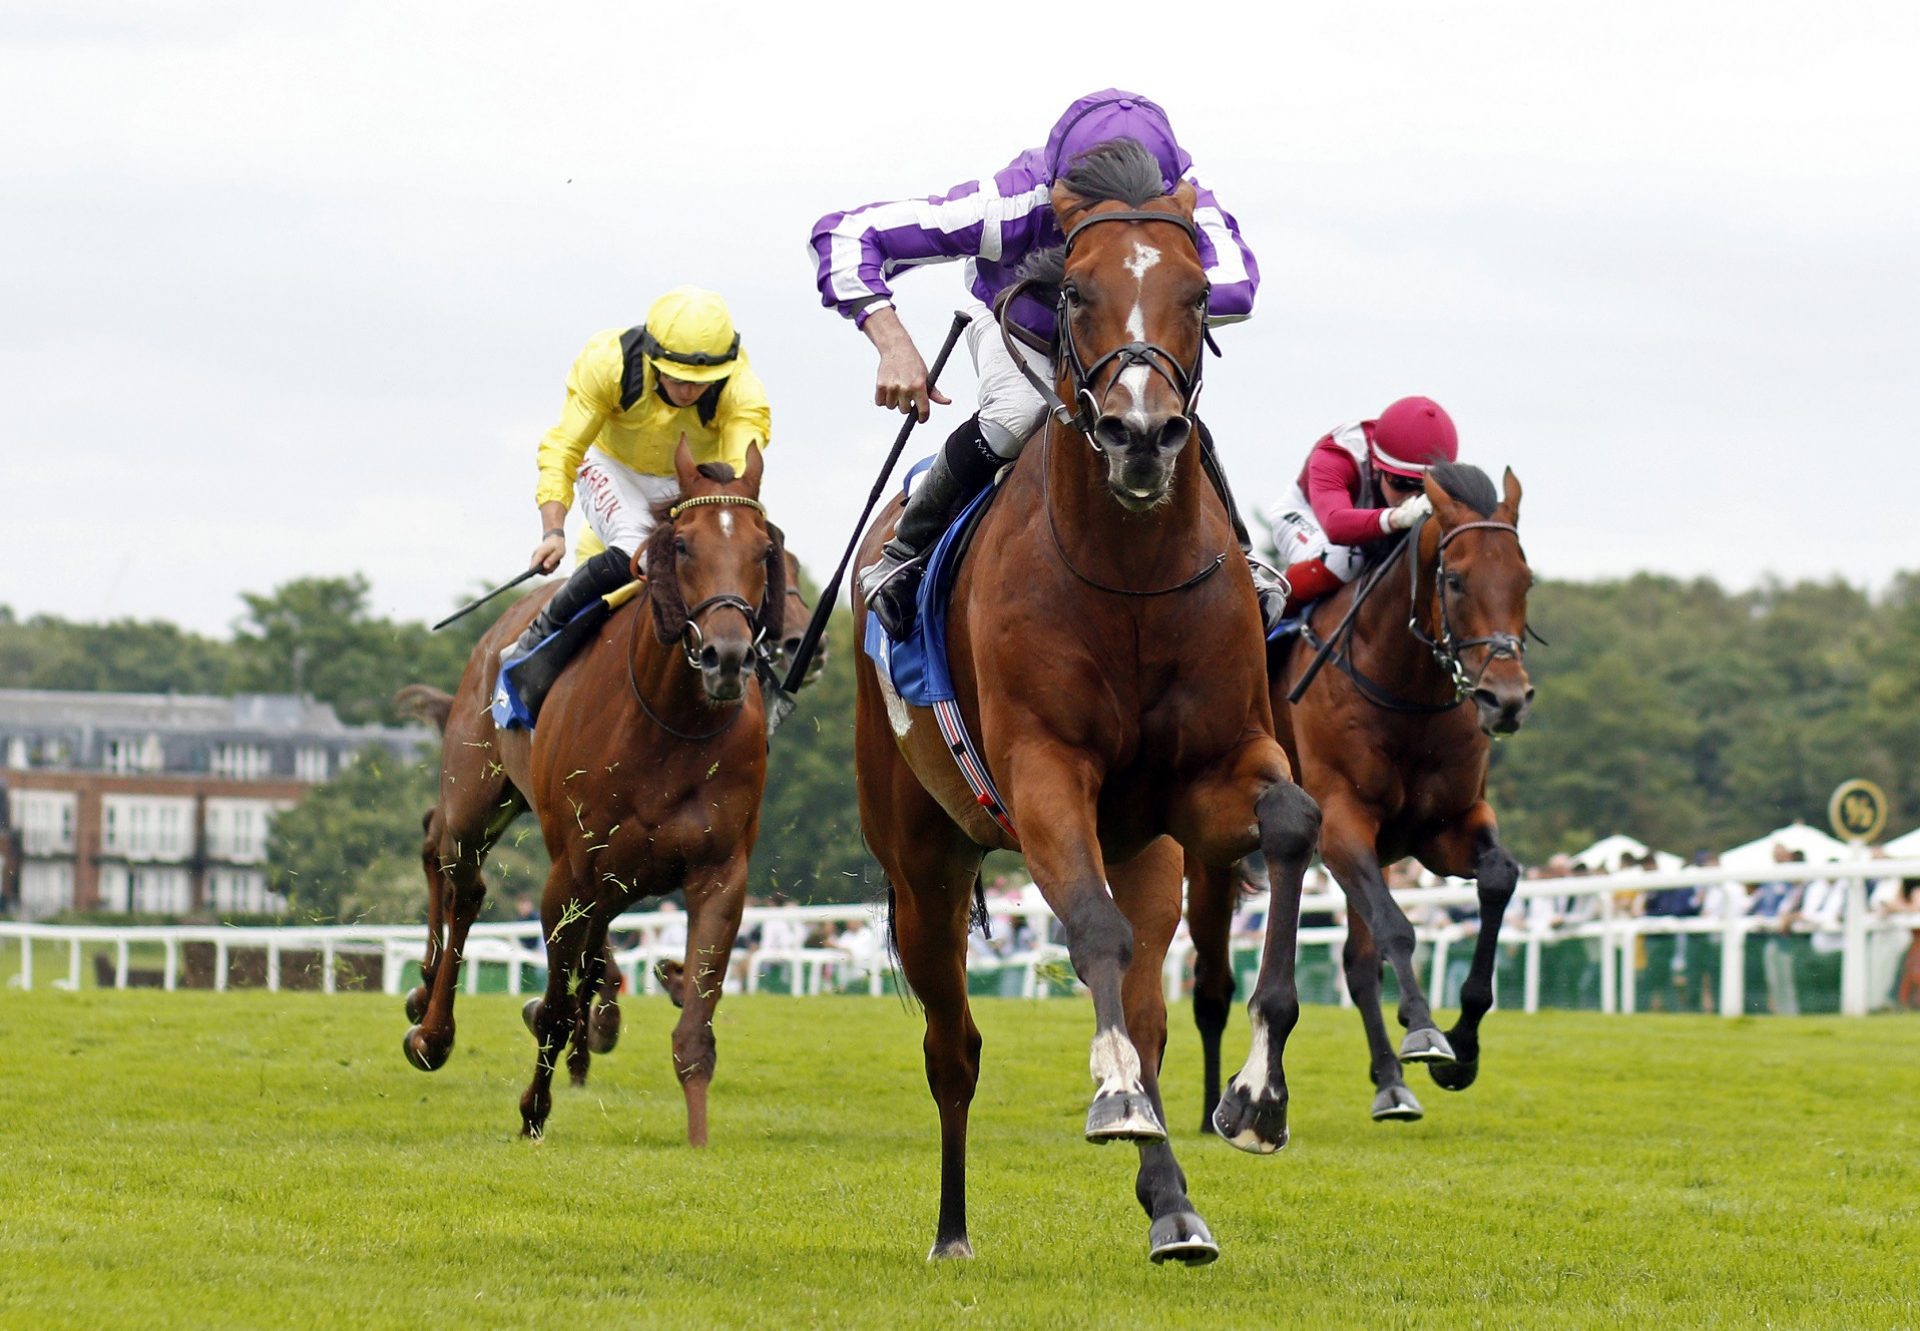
(724,692)
(1140,494)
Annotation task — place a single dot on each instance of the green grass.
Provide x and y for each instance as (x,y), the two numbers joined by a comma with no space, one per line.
(251,1159)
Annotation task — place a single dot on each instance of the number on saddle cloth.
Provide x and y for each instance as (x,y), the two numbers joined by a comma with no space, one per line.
(523,685)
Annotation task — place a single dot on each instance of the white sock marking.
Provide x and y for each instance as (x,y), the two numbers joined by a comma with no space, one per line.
(1251,1080)
(1115,1062)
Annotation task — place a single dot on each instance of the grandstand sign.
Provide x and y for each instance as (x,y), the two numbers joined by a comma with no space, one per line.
(1858,811)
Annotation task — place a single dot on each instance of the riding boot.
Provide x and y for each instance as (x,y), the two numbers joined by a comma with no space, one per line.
(963,468)
(1269,585)
(607,571)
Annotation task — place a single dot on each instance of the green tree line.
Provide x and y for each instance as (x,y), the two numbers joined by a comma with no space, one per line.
(1685,714)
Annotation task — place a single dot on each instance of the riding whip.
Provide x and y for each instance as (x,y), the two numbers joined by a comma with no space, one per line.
(471,606)
(822,612)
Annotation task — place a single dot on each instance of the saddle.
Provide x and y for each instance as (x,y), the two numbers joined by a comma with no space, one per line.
(523,684)
(917,664)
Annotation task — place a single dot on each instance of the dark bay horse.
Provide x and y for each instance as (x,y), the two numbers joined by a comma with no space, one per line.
(646,771)
(1105,645)
(1392,739)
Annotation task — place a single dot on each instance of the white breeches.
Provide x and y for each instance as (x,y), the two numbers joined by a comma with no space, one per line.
(619,501)
(1298,537)
(1010,410)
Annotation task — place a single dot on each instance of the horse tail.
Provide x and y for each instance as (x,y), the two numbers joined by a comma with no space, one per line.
(425,703)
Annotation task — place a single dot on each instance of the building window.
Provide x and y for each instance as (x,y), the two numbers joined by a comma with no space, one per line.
(161,891)
(45,819)
(237,830)
(243,892)
(119,755)
(310,764)
(241,762)
(45,889)
(147,827)
(17,753)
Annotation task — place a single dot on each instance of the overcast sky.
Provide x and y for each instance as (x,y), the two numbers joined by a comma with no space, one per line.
(293,289)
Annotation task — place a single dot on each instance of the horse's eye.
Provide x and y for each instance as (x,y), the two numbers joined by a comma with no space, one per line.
(1454,583)
(680,547)
(1074,298)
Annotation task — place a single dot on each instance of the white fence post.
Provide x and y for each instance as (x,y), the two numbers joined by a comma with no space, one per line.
(73,963)
(220,965)
(329,982)
(1530,1001)
(1733,950)
(1609,966)
(170,972)
(1853,951)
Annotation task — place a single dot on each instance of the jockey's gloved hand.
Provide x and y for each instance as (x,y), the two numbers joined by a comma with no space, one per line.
(1407,513)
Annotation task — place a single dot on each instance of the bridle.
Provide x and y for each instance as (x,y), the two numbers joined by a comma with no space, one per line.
(1447,649)
(1081,417)
(691,637)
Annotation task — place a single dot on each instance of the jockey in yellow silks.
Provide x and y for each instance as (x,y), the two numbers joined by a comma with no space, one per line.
(631,396)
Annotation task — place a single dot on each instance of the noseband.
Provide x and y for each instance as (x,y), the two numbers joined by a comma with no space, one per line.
(1086,409)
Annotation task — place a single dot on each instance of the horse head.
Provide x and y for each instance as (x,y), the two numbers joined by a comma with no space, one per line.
(1479,610)
(716,572)
(1132,316)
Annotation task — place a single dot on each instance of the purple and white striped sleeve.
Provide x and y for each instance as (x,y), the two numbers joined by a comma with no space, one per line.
(1224,254)
(856,252)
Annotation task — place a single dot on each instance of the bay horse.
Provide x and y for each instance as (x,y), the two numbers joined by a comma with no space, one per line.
(1104,641)
(646,771)
(1426,668)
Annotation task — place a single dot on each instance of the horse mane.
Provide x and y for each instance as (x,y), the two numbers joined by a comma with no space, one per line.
(1119,169)
(1468,484)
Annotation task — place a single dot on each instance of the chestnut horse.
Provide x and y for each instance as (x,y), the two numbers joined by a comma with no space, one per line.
(1105,645)
(1392,739)
(646,771)
(600,1033)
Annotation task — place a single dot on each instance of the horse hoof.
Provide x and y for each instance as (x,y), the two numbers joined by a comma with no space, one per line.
(1259,1127)
(951,1250)
(417,1003)
(1425,1045)
(1455,1076)
(1123,1116)
(530,1013)
(1395,1104)
(1181,1237)
(603,1031)
(417,1054)
(579,1080)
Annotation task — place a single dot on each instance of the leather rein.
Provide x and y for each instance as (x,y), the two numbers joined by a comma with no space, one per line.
(1081,416)
(691,637)
(1447,650)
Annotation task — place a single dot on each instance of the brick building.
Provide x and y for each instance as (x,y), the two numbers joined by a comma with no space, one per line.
(159,803)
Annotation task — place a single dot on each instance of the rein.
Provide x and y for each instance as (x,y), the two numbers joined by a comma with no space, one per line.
(1081,416)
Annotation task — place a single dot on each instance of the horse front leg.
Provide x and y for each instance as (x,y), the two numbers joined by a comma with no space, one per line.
(437,891)
(1147,890)
(1252,1113)
(1054,807)
(1211,896)
(1472,847)
(1360,960)
(567,922)
(605,1026)
(713,922)
(428,1042)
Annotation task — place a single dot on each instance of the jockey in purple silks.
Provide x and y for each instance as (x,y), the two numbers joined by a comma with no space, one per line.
(995,224)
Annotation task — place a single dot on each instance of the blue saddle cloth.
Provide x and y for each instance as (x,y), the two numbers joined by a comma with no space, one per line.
(917,665)
(523,682)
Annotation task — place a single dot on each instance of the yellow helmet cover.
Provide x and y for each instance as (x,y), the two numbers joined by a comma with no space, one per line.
(689,336)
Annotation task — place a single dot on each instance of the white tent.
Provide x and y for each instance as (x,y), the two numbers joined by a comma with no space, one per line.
(1817,846)
(1905,847)
(1604,855)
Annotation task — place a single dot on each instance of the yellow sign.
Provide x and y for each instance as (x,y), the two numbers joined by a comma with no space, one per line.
(1858,811)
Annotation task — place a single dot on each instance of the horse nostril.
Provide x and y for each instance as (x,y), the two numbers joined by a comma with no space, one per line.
(1174,434)
(1112,432)
(791,646)
(709,657)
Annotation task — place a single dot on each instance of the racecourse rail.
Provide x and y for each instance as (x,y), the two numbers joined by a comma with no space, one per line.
(510,944)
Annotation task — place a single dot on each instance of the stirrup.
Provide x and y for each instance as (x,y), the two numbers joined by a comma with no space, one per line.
(1273,592)
(893,595)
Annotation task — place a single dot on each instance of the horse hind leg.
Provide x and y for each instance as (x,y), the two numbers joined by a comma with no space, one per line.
(604,1032)
(1360,959)
(579,1050)
(1211,896)
(1252,1113)
(551,1018)
(1147,891)
(437,890)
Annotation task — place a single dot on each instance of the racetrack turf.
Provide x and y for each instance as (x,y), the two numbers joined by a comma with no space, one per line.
(250,1159)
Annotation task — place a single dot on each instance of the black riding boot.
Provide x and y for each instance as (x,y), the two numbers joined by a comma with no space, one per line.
(607,571)
(1269,585)
(963,468)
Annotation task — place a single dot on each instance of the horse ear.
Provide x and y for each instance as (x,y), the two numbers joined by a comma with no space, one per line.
(1510,499)
(683,465)
(751,476)
(1065,203)
(1185,198)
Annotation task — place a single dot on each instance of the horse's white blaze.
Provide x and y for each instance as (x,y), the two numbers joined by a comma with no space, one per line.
(1252,1077)
(1144,257)
(1115,1062)
(726,524)
(1134,380)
